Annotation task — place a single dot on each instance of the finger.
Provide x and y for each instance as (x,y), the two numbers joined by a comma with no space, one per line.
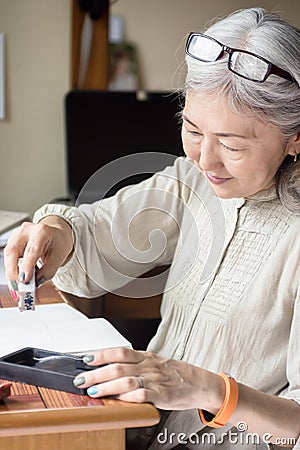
(147,394)
(115,387)
(52,251)
(114,355)
(27,242)
(34,251)
(12,252)
(137,396)
(106,373)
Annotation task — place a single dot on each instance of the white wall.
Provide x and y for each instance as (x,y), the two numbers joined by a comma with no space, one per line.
(32,166)
(160,27)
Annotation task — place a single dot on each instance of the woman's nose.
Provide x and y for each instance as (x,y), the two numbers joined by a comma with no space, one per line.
(208,158)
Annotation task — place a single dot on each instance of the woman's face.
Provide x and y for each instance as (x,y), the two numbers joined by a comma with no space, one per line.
(238,155)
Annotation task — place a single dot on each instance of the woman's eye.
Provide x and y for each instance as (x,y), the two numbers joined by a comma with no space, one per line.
(231,149)
(195,133)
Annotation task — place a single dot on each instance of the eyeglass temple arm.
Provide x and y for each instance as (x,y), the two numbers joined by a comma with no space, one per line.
(282,73)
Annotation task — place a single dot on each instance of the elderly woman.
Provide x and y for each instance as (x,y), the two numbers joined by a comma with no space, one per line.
(225,358)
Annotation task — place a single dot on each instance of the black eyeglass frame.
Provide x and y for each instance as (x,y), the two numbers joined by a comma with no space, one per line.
(272,68)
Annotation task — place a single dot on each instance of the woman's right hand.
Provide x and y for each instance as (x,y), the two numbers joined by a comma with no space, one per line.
(50,242)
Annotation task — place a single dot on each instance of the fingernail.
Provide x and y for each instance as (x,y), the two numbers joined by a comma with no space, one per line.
(79,381)
(22,276)
(40,281)
(92,390)
(88,358)
(14,284)
(13,294)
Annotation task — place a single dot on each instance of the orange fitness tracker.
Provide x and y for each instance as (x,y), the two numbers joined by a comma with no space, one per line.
(228,407)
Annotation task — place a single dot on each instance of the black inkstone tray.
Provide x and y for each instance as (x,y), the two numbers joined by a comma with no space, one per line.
(44,368)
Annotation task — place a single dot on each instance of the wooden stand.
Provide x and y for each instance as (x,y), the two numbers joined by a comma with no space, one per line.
(38,418)
(96,76)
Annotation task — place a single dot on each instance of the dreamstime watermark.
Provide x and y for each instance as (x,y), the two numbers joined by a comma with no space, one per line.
(235,436)
(141,228)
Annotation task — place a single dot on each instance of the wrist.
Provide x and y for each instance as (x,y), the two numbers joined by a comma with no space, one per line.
(56,222)
(216,393)
(64,230)
(223,415)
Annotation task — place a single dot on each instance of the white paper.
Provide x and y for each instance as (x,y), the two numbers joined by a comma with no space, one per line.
(57,327)
(43,314)
(11,219)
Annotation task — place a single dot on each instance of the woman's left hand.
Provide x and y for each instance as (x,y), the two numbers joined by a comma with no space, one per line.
(140,376)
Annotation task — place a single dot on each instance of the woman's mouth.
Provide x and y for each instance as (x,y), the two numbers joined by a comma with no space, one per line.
(216,180)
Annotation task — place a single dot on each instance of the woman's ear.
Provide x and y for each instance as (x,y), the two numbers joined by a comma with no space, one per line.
(294,145)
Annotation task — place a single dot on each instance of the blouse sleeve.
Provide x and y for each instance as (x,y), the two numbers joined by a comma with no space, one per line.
(119,238)
(292,391)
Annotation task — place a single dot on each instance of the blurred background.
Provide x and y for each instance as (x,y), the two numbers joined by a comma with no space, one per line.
(37,77)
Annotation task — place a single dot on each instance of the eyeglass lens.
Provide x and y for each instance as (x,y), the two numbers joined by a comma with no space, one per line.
(204,48)
(244,64)
(248,65)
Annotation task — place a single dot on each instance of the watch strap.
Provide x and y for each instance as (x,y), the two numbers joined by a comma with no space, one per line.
(229,404)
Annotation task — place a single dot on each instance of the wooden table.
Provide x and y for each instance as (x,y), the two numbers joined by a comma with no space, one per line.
(35,418)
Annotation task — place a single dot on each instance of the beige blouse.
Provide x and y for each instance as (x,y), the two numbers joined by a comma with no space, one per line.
(232,298)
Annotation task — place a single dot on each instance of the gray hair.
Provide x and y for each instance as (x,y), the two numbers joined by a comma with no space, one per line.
(276,100)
